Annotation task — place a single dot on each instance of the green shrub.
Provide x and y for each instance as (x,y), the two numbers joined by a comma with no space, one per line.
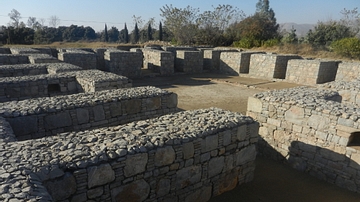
(349,47)
(247,43)
(271,42)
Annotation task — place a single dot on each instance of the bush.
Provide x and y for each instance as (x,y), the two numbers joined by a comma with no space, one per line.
(271,42)
(349,47)
(247,43)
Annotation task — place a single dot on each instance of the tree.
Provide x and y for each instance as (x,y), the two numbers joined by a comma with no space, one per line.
(54,21)
(106,36)
(264,12)
(89,33)
(181,22)
(149,33)
(113,34)
(290,37)
(351,19)
(325,33)
(126,34)
(15,17)
(136,34)
(160,32)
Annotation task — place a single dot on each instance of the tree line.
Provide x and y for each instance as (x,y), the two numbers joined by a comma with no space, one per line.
(224,25)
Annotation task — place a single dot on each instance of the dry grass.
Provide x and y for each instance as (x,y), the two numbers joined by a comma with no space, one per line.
(304,50)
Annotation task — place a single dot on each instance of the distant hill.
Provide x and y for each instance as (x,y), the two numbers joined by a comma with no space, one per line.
(301,29)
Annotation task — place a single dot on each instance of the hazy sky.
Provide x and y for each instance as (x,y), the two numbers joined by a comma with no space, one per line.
(96,13)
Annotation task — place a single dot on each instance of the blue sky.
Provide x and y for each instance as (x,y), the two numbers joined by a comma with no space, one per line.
(95,13)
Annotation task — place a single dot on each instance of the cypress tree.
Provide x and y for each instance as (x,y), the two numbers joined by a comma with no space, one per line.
(136,33)
(160,32)
(106,36)
(126,37)
(149,33)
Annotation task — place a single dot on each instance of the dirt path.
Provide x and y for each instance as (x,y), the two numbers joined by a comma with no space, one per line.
(273,181)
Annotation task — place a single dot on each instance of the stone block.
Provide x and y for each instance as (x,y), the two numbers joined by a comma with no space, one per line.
(163,187)
(135,164)
(132,106)
(99,113)
(82,115)
(188,150)
(254,105)
(59,120)
(209,143)
(246,155)
(164,156)
(295,115)
(24,125)
(135,191)
(188,176)
(63,188)
(115,109)
(100,175)
(201,195)
(216,166)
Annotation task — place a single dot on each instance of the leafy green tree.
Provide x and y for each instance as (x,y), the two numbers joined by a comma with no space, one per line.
(349,47)
(290,37)
(89,33)
(48,35)
(113,34)
(20,35)
(325,33)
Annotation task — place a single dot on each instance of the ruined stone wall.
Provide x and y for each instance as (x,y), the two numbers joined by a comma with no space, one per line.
(159,61)
(212,59)
(10,59)
(235,63)
(189,61)
(269,66)
(100,60)
(348,71)
(123,62)
(85,110)
(5,51)
(84,59)
(311,72)
(150,160)
(44,85)
(312,131)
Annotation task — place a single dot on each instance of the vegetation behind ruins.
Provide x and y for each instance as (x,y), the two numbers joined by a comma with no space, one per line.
(225,25)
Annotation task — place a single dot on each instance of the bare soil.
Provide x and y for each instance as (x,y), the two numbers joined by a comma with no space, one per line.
(273,181)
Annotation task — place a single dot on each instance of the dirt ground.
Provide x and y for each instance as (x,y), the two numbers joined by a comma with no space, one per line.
(273,181)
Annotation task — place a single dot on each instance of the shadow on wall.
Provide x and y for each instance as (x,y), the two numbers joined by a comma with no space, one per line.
(319,162)
(226,69)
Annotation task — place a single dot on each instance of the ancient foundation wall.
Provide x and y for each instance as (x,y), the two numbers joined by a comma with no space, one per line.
(100,61)
(5,51)
(158,61)
(311,72)
(44,85)
(312,131)
(150,160)
(84,59)
(123,62)
(10,59)
(33,118)
(269,66)
(348,71)
(212,59)
(36,69)
(189,61)
(235,63)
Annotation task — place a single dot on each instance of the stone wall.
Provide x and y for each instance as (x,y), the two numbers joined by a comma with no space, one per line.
(10,59)
(123,62)
(189,61)
(158,61)
(36,69)
(311,72)
(42,58)
(312,131)
(348,71)
(150,160)
(100,61)
(84,59)
(24,51)
(269,66)
(33,118)
(44,85)
(5,51)
(235,63)
(212,59)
